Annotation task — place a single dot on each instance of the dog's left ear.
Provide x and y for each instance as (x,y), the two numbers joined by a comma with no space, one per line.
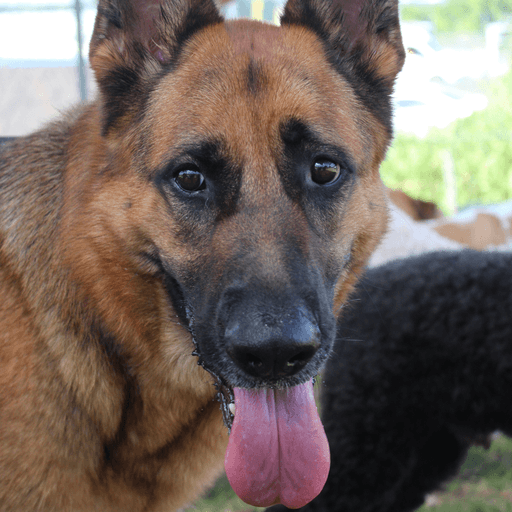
(362,39)
(133,39)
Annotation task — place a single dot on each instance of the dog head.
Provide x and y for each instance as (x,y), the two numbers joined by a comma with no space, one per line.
(239,162)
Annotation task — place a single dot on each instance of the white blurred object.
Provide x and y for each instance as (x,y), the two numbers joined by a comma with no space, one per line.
(421,105)
(406,237)
(425,94)
(453,64)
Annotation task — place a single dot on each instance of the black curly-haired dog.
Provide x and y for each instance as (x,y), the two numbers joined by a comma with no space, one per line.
(422,368)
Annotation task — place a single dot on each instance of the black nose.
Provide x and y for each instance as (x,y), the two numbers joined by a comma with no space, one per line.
(271,342)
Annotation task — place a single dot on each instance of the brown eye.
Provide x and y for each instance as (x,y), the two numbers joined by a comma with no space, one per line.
(190,180)
(324,171)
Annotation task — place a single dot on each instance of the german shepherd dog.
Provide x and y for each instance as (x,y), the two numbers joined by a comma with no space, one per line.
(191,234)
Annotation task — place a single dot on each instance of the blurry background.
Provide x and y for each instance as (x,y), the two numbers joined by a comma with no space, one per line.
(453,98)
(453,143)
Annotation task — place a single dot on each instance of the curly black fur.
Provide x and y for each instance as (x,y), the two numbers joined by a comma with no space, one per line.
(421,368)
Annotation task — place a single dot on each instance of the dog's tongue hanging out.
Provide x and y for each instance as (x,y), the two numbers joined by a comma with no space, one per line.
(277,450)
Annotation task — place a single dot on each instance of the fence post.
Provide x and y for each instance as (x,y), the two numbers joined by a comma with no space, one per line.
(269,10)
(82,80)
(450,181)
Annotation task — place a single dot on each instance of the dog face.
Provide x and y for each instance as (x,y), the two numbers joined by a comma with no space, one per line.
(232,194)
(246,168)
(260,205)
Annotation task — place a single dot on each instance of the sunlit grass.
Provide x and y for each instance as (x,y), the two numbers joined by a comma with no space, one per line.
(484,483)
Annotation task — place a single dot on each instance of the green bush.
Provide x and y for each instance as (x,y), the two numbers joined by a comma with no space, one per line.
(479,148)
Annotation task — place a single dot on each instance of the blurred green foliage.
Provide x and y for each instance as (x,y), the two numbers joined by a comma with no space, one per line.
(479,147)
(459,15)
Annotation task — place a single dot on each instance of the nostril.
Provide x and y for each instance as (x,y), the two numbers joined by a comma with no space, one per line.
(251,360)
(290,365)
(245,357)
(302,357)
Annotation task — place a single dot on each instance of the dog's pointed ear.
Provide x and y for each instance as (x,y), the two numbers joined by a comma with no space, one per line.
(362,38)
(155,27)
(133,39)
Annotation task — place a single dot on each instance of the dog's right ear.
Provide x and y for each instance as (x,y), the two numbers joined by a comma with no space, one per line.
(132,38)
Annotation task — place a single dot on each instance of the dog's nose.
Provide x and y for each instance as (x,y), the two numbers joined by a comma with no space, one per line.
(272,345)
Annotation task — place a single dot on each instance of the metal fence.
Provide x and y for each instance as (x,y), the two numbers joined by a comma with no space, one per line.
(76,6)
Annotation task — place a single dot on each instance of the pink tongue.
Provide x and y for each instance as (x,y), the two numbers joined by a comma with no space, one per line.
(277,450)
